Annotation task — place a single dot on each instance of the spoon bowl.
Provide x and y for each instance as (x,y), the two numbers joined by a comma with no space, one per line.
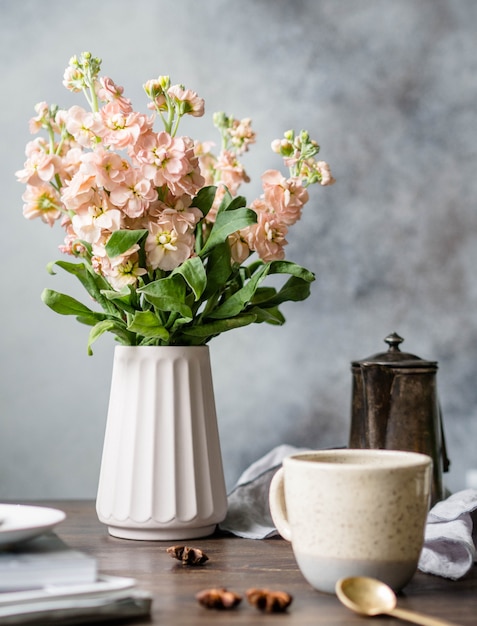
(368,596)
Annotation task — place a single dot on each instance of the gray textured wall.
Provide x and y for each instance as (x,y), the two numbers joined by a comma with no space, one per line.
(390,91)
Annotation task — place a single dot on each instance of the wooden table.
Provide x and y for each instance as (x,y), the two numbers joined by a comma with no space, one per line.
(239,564)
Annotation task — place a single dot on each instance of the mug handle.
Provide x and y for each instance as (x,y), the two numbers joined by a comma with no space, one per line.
(278,507)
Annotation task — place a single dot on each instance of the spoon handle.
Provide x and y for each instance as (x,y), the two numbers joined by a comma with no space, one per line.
(419,618)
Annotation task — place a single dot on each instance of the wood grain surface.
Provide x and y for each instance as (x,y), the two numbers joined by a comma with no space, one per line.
(239,564)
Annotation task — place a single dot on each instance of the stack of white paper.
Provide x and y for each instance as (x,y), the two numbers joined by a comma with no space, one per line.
(107,598)
(44,581)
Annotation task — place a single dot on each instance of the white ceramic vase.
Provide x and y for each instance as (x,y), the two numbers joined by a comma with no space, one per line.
(161,472)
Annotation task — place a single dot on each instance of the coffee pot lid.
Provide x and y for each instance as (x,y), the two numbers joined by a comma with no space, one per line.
(394,357)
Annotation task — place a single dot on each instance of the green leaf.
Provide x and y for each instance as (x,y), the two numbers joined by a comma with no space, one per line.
(168,294)
(212,329)
(294,290)
(219,268)
(193,272)
(145,323)
(288,267)
(92,282)
(66,305)
(262,294)
(205,199)
(225,224)
(105,326)
(229,203)
(226,200)
(241,298)
(122,240)
(269,315)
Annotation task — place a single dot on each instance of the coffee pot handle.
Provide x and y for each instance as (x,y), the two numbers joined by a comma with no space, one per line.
(278,507)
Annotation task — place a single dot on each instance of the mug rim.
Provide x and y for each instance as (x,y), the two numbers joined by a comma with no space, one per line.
(389,458)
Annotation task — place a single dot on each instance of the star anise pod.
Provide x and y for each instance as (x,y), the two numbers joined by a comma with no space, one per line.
(268,600)
(188,555)
(218,598)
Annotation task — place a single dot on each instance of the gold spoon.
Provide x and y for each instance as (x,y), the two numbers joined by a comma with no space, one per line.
(369,596)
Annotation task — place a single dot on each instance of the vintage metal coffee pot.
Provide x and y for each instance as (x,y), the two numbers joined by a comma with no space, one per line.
(395,406)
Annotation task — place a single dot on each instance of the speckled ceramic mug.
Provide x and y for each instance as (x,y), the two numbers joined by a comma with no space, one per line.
(353,512)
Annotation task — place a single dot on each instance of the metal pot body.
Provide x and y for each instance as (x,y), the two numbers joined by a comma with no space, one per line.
(395,406)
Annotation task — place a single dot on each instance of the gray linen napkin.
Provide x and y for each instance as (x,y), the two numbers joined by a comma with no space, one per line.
(450,539)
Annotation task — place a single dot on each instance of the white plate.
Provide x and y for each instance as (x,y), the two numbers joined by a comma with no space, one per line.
(19,522)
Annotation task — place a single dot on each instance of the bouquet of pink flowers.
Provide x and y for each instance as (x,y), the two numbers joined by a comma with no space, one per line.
(154,219)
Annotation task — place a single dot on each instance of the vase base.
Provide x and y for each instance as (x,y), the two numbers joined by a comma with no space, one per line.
(161,534)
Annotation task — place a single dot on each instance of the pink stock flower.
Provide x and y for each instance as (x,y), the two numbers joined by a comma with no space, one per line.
(121,129)
(134,194)
(241,134)
(188,101)
(79,191)
(239,248)
(36,123)
(73,79)
(108,167)
(207,160)
(39,166)
(71,162)
(91,222)
(230,171)
(108,91)
(41,201)
(179,207)
(170,161)
(285,197)
(124,270)
(71,245)
(323,169)
(166,247)
(85,126)
(267,237)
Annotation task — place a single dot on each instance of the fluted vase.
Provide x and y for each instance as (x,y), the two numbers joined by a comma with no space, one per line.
(161,474)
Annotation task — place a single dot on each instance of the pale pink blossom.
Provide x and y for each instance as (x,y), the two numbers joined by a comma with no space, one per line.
(219,195)
(188,101)
(285,197)
(41,201)
(42,112)
(192,182)
(39,144)
(73,79)
(154,88)
(324,171)
(179,207)
(124,270)
(207,160)
(166,248)
(79,191)
(40,166)
(241,134)
(230,171)
(134,194)
(71,244)
(71,161)
(267,237)
(122,129)
(239,248)
(90,223)
(100,261)
(85,126)
(109,168)
(108,91)
(170,161)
